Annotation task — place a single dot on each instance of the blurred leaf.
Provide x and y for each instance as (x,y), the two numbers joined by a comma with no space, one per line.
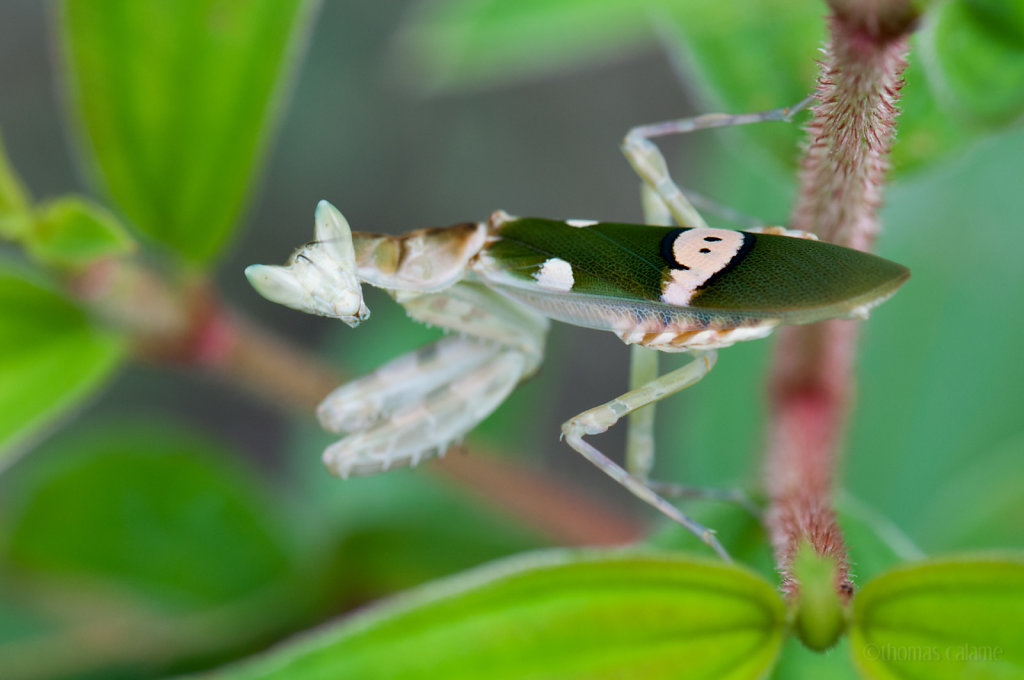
(981,506)
(72,232)
(18,620)
(1001,17)
(175,101)
(975,51)
(739,530)
(876,544)
(974,58)
(144,532)
(931,410)
(401,529)
(152,508)
(450,44)
(15,210)
(953,618)
(925,129)
(51,357)
(974,64)
(797,662)
(750,57)
(553,615)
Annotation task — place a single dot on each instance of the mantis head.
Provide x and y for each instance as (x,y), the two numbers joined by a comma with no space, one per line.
(320,277)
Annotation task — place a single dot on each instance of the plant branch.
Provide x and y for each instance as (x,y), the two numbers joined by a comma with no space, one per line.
(840,191)
(185,323)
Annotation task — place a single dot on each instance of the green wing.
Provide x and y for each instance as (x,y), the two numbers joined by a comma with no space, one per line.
(790,279)
(611,260)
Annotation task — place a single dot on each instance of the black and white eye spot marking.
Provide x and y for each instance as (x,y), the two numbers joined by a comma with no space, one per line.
(693,257)
(555,275)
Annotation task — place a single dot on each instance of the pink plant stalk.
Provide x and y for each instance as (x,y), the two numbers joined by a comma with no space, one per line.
(841,180)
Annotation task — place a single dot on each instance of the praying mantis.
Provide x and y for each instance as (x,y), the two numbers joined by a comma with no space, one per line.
(495,285)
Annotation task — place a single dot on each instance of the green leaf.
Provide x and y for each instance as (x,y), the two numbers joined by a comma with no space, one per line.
(51,357)
(401,529)
(15,210)
(921,436)
(726,46)
(1002,17)
(797,662)
(144,533)
(175,101)
(925,129)
(464,43)
(553,615)
(980,507)
(73,232)
(875,543)
(971,64)
(975,55)
(951,618)
(150,507)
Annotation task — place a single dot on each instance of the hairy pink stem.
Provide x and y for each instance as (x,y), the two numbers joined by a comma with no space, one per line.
(840,191)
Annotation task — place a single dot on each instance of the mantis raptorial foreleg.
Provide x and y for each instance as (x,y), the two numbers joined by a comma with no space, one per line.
(601,418)
(425,426)
(376,397)
(414,407)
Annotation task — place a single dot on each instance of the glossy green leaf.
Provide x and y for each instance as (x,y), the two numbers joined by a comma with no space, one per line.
(463,43)
(975,51)
(73,231)
(175,101)
(952,618)
(553,615)
(15,211)
(51,357)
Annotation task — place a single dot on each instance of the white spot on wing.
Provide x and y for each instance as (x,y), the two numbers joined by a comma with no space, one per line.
(555,274)
(581,223)
(700,254)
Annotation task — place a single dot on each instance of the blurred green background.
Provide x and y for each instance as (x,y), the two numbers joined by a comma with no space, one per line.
(173,521)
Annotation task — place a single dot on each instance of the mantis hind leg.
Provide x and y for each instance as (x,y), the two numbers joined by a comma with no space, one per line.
(650,164)
(643,369)
(601,418)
